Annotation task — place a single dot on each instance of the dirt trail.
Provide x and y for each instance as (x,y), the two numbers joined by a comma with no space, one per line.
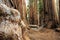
(45,34)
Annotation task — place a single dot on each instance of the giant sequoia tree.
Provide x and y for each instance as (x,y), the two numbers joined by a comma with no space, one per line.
(50,12)
(33,12)
(10,27)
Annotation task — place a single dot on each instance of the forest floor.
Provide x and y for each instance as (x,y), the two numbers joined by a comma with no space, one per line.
(44,34)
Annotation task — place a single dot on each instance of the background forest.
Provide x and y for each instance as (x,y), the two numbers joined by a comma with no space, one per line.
(39,11)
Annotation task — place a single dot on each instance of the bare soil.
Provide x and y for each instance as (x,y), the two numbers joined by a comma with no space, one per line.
(44,34)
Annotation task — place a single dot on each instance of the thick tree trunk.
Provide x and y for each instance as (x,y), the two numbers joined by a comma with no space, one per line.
(9,23)
(33,12)
(50,13)
(11,19)
(55,13)
(24,9)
